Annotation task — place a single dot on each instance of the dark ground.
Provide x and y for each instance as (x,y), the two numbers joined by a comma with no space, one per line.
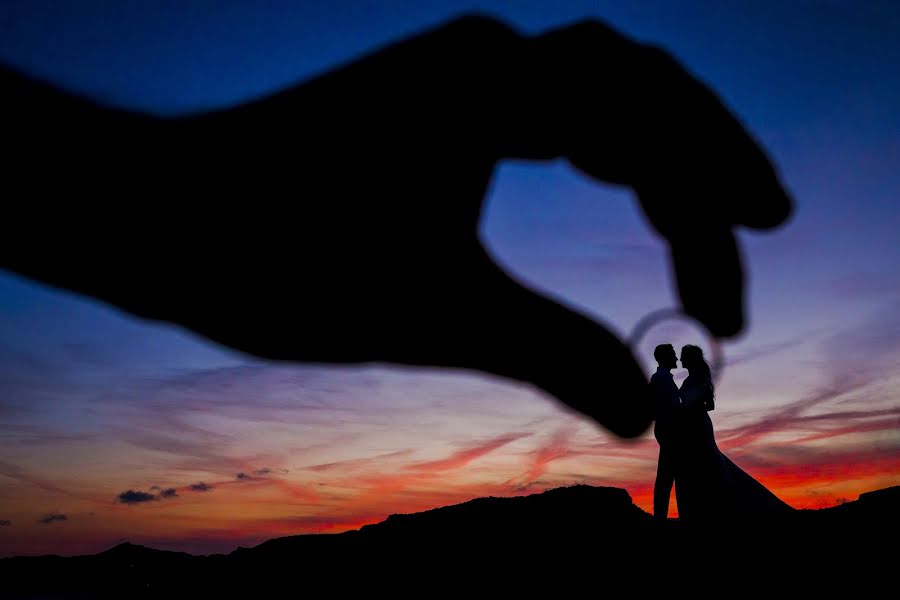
(575,540)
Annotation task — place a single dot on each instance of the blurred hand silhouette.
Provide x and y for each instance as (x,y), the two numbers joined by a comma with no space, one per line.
(337,221)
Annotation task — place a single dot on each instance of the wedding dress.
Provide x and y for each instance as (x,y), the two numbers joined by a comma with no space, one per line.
(709,487)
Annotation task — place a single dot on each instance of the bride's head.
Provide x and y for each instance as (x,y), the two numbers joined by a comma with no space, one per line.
(692,360)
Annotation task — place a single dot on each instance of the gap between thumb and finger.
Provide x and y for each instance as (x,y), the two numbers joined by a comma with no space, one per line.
(532,338)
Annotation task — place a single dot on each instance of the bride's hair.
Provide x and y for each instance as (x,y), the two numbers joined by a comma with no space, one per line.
(698,364)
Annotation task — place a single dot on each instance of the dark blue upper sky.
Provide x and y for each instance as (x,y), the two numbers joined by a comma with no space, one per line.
(169,55)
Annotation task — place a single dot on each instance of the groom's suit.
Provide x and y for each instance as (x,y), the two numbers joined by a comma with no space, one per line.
(667,405)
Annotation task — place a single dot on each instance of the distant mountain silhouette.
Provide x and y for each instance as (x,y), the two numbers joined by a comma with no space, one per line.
(563,537)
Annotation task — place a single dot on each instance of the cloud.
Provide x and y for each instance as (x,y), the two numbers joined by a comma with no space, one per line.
(785,418)
(791,471)
(870,345)
(359,463)
(137,497)
(201,487)
(16,472)
(49,518)
(38,435)
(854,359)
(463,457)
(200,444)
(228,387)
(5,522)
(863,284)
(555,448)
(258,474)
(763,350)
(133,497)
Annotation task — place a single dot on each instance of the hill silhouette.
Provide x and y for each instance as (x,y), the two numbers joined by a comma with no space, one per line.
(562,538)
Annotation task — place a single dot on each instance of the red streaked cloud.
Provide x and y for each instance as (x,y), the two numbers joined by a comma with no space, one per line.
(557,447)
(463,457)
(358,463)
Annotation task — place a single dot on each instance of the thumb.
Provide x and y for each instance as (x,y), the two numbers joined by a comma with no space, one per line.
(526,336)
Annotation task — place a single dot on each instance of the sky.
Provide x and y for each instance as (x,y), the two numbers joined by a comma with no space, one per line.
(114,428)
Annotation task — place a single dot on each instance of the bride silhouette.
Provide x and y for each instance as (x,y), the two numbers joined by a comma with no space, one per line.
(709,487)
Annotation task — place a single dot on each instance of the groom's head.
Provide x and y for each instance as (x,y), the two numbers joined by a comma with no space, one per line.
(665,356)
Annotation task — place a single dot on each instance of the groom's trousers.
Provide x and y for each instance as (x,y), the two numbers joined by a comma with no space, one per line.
(665,478)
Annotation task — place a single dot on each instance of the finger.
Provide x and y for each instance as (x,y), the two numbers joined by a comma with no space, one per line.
(709,279)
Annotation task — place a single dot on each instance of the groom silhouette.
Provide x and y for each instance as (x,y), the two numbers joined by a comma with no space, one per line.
(666,405)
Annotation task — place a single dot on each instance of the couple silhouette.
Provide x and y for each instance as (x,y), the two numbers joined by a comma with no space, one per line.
(709,488)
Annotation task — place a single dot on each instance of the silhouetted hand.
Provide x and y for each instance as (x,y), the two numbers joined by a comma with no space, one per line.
(337,221)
